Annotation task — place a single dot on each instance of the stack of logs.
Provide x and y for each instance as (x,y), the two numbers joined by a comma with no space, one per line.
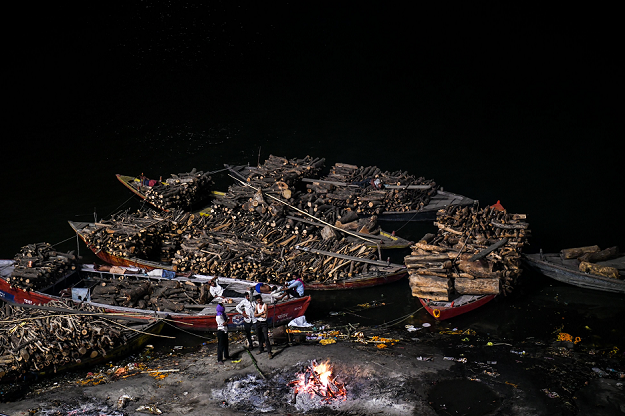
(39,265)
(475,252)
(350,187)
(162,295)
(589,255)
(241,243)
(36,339)
(184,190)
(144,234)
(277,177)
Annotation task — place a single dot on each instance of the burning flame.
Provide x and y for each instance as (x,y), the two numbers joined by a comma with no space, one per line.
(317,379)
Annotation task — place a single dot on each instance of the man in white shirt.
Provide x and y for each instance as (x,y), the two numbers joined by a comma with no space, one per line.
(216,291)
(246,308)
(262,327)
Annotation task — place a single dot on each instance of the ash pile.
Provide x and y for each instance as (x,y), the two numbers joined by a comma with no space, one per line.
(317,388)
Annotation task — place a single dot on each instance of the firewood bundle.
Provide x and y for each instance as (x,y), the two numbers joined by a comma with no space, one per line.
(277,177)
(40,265)
(247,245)
(183,190)
(241,243)
(163,295)
(288,171)
(352,187)
(143,234)
(589,255)
(475,252)
(36,339)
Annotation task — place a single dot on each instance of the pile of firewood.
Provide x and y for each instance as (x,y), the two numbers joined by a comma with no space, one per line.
(39,265)
(184,190)
(589,255)
(248,245)
(354,188)
(241,242)
(475,252)
(277,177)
(162,295)
(33,339)
(143,234)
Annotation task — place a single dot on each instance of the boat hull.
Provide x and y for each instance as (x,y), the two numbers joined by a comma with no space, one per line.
(359,283)
(441,312)
(442,199)
(278,314)
(566,273)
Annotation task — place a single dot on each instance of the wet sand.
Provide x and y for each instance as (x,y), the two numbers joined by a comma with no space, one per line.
(410,377)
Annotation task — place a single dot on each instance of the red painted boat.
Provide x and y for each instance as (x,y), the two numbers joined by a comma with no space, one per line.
(362,281)
(445,310)
(279,312)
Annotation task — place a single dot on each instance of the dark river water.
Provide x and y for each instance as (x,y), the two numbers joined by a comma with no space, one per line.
(519,107)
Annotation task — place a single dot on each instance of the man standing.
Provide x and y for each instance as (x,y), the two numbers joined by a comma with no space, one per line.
(262,328)
(246,308)
(222,333)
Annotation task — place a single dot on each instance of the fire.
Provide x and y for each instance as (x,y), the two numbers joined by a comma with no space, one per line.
(317,379)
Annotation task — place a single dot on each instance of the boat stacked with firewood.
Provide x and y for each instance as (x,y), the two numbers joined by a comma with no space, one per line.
(391,196)
(475,256)
(587,267)
(252,233)
(185,190)
(133,292)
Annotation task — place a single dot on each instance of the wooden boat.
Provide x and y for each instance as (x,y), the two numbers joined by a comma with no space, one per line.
(109,258)
(143,330)
(359,282)
(386,273)
(202,318)
(442,199)
(139,188)
(441,310)
(567,271)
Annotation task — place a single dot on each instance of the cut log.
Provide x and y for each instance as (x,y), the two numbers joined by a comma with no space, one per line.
(607,254)
(429,281)
(479,268)
(597,270)
(573,253)
(476,286)
(442,295)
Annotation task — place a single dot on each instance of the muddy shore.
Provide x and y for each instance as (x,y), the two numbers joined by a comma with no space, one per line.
(433,374)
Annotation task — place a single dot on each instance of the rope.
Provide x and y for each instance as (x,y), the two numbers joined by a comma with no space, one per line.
(61,242)
(407,222)
(186,332)
(400,319)
(217,171)
(123,203)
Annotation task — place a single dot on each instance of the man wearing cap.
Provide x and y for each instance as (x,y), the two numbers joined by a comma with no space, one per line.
(246,308)
(222,333)
(262,328)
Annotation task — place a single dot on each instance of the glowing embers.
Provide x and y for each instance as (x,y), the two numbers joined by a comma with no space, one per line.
(317,380)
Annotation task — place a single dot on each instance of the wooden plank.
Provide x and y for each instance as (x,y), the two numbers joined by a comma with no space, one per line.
(490,249)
